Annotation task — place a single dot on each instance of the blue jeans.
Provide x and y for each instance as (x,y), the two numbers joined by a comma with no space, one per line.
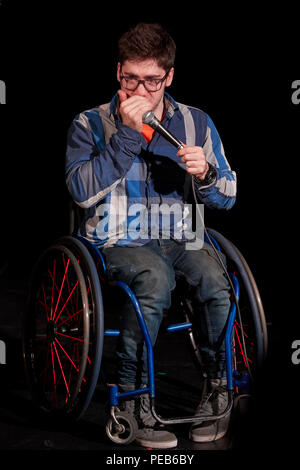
(151,271)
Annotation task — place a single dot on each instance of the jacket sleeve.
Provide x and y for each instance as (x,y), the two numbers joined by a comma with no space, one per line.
(94,168)
(222,193)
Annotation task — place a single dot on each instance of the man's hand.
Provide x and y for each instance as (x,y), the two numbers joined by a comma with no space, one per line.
(132,110)
(195,160)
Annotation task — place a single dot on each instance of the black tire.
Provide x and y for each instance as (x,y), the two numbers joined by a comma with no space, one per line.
(250,338)
(63,329)
(251,307)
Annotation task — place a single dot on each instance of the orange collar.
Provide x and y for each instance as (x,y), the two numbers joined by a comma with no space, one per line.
(148,131)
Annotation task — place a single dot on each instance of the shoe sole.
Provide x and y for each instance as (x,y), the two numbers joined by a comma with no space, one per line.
(156,445)
(207,438)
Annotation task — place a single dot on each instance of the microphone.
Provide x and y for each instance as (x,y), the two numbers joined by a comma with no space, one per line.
(152,121)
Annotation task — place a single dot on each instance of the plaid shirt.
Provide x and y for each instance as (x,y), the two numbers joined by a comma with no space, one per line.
(119,179)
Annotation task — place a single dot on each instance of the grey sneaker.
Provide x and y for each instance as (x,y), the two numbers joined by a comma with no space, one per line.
(150,433)
(214,402)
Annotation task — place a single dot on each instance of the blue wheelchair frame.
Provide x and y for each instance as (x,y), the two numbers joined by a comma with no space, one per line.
(233,377)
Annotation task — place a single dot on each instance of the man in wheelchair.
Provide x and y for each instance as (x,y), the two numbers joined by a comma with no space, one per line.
(117,166)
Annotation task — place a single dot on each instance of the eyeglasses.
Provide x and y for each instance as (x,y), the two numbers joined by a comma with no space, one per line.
(151,84)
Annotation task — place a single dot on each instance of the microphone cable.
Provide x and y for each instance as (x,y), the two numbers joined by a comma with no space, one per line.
(228,277)
(150,119)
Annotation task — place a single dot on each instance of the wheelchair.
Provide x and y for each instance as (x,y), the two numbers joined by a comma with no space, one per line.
(64,333)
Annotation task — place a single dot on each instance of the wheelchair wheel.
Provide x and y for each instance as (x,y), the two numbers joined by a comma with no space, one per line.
(125,431)
(63,329)
(250,339)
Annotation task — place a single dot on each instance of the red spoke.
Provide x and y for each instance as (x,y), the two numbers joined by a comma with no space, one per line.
(77,296)
(234,349)
(68,284)
(61,287)
(235,361)
(71,337)
(246,336)
(241,328)
(58,288)
(66,302)
(63,375)
(76,351)
(46,307)
(70,318)
(241,348)
(75,367)
(70,374)
(53,277)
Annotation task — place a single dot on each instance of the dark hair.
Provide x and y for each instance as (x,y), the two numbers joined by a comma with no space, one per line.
(148,41)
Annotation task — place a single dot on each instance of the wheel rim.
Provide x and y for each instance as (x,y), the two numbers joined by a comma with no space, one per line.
(239,266)
(250,340)
(85,256)
(57,330)
(250,335)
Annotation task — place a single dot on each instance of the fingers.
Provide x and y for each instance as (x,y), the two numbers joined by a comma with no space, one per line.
(188,149)
(122,95)
(191,153)
(135,104)
(132,110)
(194,158)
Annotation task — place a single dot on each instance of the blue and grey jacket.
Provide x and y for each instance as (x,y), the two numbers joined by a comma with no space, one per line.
(120,180)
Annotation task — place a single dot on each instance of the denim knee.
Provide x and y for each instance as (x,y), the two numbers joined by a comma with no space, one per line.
(153,286)
(211,279)
(152,280)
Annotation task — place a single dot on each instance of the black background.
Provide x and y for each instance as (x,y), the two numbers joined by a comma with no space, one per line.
(236,64)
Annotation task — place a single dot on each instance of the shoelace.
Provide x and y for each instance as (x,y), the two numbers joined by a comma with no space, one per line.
(210,395)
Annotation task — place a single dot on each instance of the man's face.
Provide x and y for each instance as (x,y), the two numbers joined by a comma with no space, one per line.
(147,69)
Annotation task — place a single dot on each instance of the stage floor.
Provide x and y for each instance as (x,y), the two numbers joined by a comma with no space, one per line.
(177,384)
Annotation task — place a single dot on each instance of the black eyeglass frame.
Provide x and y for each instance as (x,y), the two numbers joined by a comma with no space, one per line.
(159,81)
